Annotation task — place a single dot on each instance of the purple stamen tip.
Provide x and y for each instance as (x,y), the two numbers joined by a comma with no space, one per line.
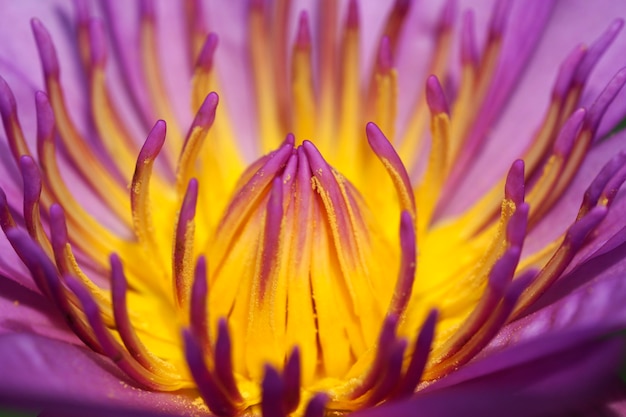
(567,70)
(82,11)
(31,178)
(211,393)
(317,405)
(435,96)
(402,7)
(223,360)
(199,286)
(292,378)
(565,140)
(273,387)
(47,53)
(316,160)
(205,58)
(616,181)
(597,186)
(146,9)
(7,100)
(385,59)
(598,108)
(502,271)
(206,113)
(469,52)
(58,229)
(419,357)
(352,19)
(499,17)
(596,50)
(448,13)
(116,264)
(578,232)
(514,186)
(97,41)
(303,36)
(290,140)
(375,136)
(154,142)
(45,116)
(257,4)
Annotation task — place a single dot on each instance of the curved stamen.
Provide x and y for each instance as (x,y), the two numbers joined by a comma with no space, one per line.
(198,313)
(32,191)
(125,328)
(89,166)
(113,349)
(182,262)
(316,406)
(139,191)
(224,371)
(394,166)
(12,127)
(45,276)
(408,265)
(66,262)
(212,395)
(419,357)
(292,379)
(195,139)
(272,398)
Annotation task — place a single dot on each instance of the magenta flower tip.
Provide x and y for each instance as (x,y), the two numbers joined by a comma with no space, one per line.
(448,14)
(47,53)
(567,135)
(154,142)
(499,17)
(7,101)
(206,114)
(303,35)
(316,406)
(352,19)
(435,96)
(469,50)
(82,11)
(597,49)
(567,71)
(385,59)
(205,58)
(146,9)
(502,272)
(599,107)
(514,188)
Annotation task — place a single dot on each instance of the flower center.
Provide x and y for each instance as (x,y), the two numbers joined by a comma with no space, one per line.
(288,278)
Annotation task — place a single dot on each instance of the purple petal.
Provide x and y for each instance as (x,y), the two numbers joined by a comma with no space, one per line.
(26,311)
(522,383)
(72,380)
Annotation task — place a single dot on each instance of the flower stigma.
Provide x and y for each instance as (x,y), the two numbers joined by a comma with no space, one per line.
(326,276)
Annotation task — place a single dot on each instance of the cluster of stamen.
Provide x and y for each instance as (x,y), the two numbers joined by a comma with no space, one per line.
(282,288)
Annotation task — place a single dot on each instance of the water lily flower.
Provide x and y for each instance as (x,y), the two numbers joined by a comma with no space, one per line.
(312,208)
